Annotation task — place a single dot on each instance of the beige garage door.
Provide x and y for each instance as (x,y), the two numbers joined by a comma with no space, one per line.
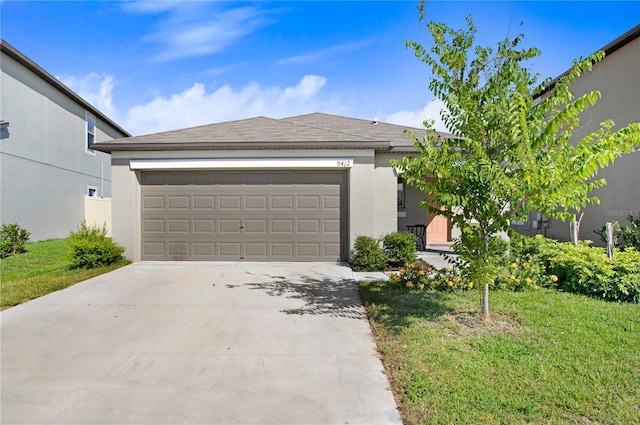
(244,215)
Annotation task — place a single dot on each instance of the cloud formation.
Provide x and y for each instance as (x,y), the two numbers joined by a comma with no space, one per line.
(191,29)
(318,55)
(430,112)
(96,89)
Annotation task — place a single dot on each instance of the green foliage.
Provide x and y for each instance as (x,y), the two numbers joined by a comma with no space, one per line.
(367,255)
(422,276)
(511,151)
(584,270)
(399,248)
(90,247)
(547,357)
(624,237)
(43,269)
(12,240)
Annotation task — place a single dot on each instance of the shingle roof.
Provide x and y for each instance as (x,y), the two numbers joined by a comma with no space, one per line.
(317,130)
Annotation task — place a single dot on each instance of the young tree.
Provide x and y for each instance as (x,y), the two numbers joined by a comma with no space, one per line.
(512,152)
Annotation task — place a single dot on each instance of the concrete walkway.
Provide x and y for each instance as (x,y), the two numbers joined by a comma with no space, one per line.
(196,343)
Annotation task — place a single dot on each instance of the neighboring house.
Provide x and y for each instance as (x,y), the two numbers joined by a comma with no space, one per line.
(47,160)
(617,78)
(262,189)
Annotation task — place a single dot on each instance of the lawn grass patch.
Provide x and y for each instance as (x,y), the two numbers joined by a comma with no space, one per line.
(44,268)
(545,357)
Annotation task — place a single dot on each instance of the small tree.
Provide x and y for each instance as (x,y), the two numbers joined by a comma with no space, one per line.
(512,151)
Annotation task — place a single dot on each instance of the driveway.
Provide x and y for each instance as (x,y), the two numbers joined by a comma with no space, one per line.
(208,343)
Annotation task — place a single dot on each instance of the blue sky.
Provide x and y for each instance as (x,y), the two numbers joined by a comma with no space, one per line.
(161,65)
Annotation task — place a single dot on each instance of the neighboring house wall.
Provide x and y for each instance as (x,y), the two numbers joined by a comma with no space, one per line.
(45,169)
(617,77)
(371,193)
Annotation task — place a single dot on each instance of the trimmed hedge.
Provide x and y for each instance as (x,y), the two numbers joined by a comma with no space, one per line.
(400,248)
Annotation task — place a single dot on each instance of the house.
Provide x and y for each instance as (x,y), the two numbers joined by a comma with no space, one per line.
(617,78)
(47,161)
(262,189)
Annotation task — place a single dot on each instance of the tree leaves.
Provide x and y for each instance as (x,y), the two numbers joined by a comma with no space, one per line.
(514,148)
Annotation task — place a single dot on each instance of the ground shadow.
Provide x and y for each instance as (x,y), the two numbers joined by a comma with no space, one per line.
(396,308)
(324,296)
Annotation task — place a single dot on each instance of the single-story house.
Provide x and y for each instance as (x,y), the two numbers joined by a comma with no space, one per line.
(262,189)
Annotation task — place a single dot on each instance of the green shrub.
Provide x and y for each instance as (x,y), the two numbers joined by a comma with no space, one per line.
(367,255)
(12,240)
(584,270)
(624,237)
(400,248)
(90,247)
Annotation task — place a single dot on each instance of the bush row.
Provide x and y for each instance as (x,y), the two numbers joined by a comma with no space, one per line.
(584,269)
(391,251)
(535,263)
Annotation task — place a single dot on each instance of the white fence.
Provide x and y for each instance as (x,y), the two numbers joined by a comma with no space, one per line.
(97,212)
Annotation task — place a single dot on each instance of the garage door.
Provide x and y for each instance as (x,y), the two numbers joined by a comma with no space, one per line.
(244,215)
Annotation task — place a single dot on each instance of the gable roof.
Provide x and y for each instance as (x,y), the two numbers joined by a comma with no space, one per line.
(19,57)
(312,131)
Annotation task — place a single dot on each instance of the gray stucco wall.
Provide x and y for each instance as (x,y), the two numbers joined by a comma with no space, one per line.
(617,77)
(371,203)
(44,167)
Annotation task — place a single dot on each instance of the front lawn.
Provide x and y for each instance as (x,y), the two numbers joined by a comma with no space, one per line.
(546,357)
(44,268)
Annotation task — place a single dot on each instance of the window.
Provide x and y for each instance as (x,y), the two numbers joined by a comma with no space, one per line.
(91,132)
(400,193)
(92,191)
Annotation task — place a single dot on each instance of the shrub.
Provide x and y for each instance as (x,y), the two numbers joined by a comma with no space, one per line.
(584,270)
(90,247)
(12,240)
(624,237)
(422,276)
(400,248)
(368,255)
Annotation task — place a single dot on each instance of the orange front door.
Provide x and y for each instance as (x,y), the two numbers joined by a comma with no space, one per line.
(438,228)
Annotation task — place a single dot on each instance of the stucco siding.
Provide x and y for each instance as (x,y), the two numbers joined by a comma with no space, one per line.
(386,211)
(617,78)
(45,169)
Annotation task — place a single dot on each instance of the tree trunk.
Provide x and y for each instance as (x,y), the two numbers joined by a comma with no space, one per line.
(484,301)
(610,240)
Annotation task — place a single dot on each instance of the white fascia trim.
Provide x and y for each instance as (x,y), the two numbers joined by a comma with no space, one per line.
(245,163)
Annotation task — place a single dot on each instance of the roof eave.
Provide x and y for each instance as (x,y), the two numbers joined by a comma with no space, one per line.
(130,147)
(40,72)
(611,47)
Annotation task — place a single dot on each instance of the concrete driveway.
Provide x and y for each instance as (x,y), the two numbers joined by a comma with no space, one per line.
(207,343)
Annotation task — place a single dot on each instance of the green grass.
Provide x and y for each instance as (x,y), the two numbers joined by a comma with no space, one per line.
(544,358)
(44,268)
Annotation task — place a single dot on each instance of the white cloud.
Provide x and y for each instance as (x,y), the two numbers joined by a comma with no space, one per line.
(198,106)
(196,28)
(416,118)
(96,89)
(323,54)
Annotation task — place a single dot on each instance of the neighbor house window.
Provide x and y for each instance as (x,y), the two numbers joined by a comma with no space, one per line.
(400,193)
(91,132)
(92,191)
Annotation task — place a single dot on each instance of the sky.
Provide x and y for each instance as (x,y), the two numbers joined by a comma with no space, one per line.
(154,66)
